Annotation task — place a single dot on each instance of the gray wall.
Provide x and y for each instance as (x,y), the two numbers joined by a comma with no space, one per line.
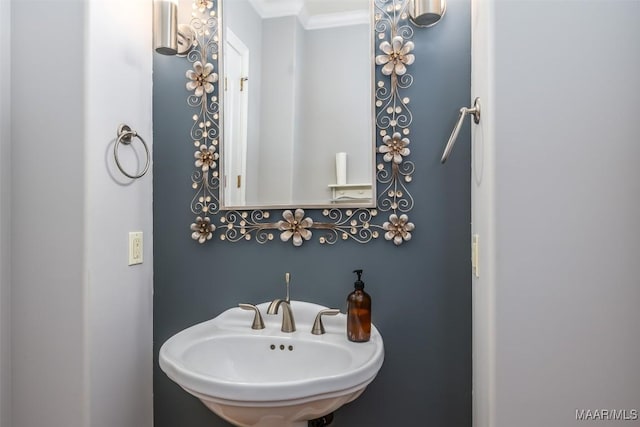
(421,290)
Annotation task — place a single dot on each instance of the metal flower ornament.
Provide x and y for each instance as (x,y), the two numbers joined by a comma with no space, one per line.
(396,56)
(203,5)
(201,78)
(394,148)
(202,229)
(393,119)
(295,225)
(206,157)
(398,229)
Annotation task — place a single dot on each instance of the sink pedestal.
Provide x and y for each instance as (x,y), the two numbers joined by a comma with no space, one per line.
(286,415)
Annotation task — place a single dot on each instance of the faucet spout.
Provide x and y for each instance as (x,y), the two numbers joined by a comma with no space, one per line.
(288,323)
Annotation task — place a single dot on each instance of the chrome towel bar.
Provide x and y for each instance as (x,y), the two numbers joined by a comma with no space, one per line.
(475,111)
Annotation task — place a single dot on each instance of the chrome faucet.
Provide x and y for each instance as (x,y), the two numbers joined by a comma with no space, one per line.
(288,324)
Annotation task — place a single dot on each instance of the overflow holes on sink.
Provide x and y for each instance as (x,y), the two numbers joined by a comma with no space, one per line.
(282,347)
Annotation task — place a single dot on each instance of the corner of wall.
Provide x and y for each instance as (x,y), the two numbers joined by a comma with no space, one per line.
(5,211)
(483,214)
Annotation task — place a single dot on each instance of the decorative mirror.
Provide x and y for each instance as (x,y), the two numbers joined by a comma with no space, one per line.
(300,122)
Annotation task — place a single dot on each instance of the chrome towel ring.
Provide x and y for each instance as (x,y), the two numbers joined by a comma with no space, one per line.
(125,135)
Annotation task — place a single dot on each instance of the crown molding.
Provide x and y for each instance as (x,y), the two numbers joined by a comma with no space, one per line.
(333,20)
(269,9)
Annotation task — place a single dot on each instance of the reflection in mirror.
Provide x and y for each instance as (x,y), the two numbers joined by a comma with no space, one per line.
(297,95)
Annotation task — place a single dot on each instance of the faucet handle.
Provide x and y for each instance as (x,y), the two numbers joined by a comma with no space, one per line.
(318,327)
(257,319)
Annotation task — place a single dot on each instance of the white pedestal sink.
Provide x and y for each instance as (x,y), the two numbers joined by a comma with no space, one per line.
(269,378)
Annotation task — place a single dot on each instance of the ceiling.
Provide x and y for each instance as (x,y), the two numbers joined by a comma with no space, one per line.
(316,14)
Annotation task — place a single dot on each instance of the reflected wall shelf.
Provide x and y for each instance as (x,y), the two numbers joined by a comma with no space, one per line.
(346,192)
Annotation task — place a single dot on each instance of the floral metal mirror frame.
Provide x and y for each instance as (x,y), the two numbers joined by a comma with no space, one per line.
(393,119)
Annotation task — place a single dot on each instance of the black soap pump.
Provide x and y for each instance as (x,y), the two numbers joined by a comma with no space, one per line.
(358,312)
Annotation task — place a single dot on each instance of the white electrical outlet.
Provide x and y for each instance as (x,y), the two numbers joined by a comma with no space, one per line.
(135,247)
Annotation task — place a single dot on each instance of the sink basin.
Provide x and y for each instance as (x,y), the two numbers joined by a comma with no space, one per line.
(269,378)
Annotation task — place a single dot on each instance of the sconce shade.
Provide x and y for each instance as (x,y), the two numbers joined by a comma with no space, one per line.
(425,13)
(165,27)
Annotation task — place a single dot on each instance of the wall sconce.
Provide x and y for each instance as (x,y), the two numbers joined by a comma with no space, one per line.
(426,13)
(169,38)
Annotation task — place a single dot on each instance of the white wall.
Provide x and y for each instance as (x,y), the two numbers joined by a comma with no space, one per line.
(5,222)
(277,125)
(82,331)
(557,302)
(483,214)
(322,110)
(48,221)
(119,302)
(299,80)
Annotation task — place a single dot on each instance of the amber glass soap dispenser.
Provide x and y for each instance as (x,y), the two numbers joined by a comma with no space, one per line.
(359,312)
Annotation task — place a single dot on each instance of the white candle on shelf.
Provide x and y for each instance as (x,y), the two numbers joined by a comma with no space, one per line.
(341,168)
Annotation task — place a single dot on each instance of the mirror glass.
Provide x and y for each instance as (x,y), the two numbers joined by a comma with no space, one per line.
(297,95)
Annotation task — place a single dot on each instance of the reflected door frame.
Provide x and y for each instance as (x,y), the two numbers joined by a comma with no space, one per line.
(236,100)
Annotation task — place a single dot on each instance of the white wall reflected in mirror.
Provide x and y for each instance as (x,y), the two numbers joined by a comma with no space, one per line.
(297,89)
